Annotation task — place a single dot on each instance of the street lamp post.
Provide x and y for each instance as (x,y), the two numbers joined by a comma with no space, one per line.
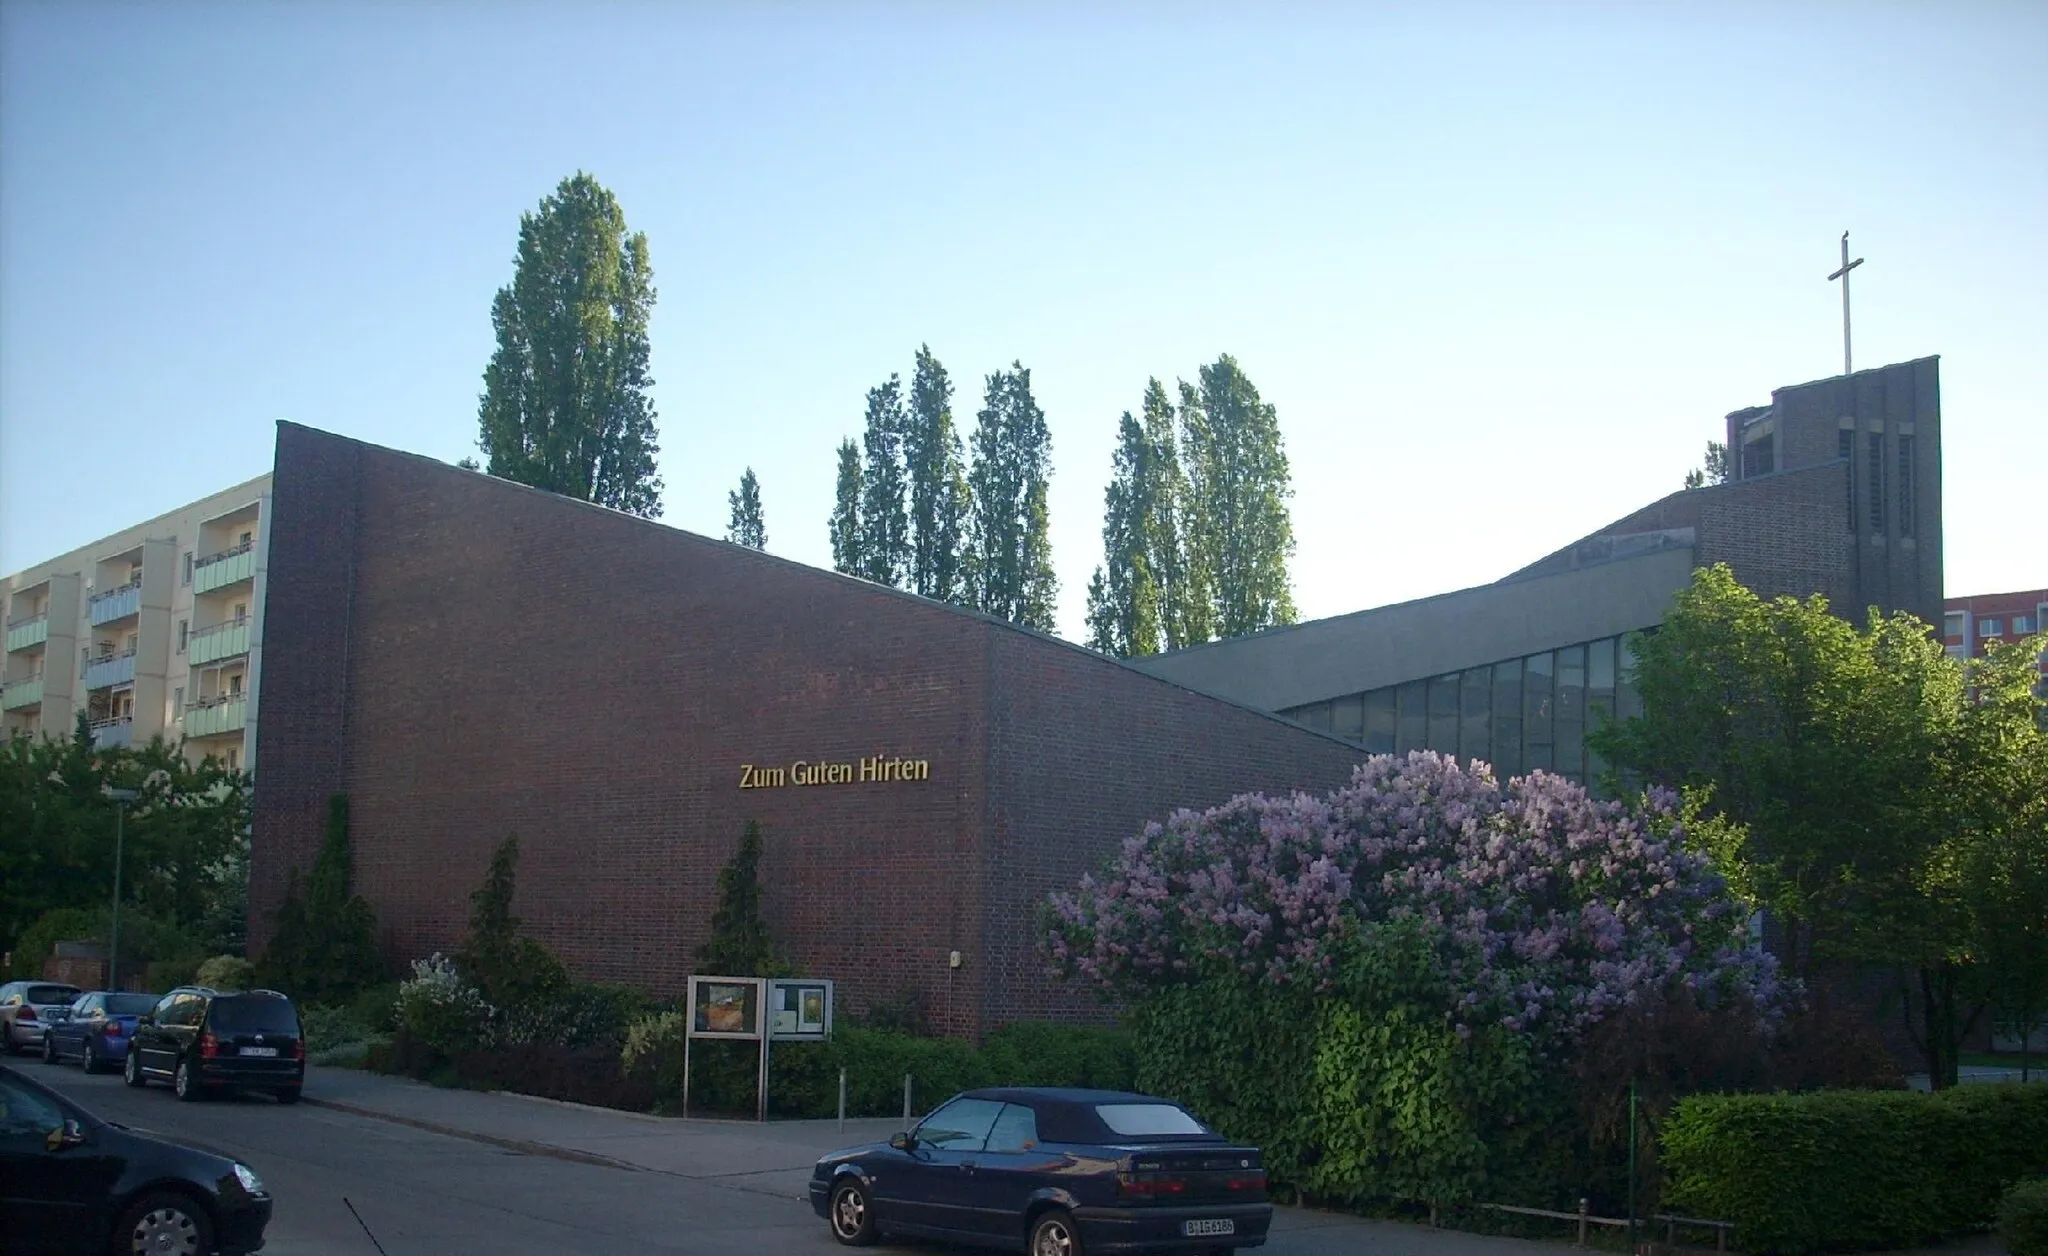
(121,797)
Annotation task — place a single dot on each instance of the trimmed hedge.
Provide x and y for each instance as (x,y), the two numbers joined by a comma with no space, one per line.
(2023,1220)
(1853,1170)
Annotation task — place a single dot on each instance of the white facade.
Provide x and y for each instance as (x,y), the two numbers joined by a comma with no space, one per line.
(153,631)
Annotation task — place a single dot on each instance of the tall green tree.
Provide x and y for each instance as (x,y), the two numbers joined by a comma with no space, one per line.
(884,517)
(1239,484)
(1714,470)
(1191,593)
(511,969)
(324,946)
(1125,616)
(747,527)
(1847,773)
(847,555)
(740,945)
(1008,529)
(939,497)
(566,404)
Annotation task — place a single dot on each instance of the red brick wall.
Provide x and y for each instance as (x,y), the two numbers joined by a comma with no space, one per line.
(1783,534)
(507,661)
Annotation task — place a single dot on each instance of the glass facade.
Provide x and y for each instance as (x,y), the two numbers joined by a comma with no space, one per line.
(1518,714)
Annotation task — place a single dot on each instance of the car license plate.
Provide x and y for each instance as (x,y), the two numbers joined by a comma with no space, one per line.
(1205,1229)
(259,1050)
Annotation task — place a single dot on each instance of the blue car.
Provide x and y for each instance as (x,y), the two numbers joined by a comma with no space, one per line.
(95,1030)
(1051,1172)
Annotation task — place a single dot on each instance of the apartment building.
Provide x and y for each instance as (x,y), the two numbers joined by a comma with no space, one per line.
(1971,623)
(153,631)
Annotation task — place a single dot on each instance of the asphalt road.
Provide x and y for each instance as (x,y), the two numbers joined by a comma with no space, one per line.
(425,1194)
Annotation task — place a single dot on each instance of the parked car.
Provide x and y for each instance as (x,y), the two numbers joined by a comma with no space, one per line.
(201,1040)
(96,1029)
(1060,1172)
(71,1182)
(23,1007)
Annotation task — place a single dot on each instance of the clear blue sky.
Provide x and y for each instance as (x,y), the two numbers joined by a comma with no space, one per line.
(1502,268)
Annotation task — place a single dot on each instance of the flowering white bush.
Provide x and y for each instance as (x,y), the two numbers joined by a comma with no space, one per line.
(1545,908)
(438,1009)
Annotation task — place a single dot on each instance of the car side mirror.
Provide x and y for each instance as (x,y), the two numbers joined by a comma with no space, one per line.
(66,1135)
(903,1142)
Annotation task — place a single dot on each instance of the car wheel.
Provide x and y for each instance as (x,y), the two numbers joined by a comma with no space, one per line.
(7,1041)
(131,1069)
(183,1084)
(1054,1234)
(852,1217)
(289,1094)
(163,1222)
(93,1061)
(49,1048)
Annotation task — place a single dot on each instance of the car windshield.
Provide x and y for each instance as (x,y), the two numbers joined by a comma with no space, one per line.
(130,1004)
(1148,1120)
(41,995)
(253,1016)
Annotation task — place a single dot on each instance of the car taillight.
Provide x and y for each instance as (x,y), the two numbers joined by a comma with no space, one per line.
(113,1029)
(299,1049)
(1254,1181)
(209,1046)
(26,1013)
(1139,1186)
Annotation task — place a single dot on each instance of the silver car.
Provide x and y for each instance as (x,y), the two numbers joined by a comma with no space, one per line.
(25,1008)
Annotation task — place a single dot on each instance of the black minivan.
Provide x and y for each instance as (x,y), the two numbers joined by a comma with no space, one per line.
(200,1039)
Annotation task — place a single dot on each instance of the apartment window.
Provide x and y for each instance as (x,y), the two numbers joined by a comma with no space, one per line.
(178,702)
(235,685)
(234,759)
(243,540)
(1952,624)
(184,631)
(1905,486)
(1990,627)
(133,641)
(1874,462)
(1845,449)
(2022,625)
(241,611)
(186,579)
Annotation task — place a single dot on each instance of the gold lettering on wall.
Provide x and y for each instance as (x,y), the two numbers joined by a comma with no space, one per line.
(878,769)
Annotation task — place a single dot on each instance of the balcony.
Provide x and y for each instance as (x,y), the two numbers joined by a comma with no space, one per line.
(222,641)
(20,695)
(109,670)
(218,571)
(115,604)
(212,717)
(27,631)
(114,731)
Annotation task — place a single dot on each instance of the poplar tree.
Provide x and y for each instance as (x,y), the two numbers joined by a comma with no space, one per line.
(1191,596)
(747,526)
(939,497)
(1238,527)
(566,404)
(845,521)
(1008,531)
(1126,601)
(884,523)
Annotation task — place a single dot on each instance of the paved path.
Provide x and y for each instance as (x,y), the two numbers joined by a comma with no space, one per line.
(450,1172)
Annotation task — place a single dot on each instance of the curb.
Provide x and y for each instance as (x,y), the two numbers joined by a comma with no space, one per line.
(520,1145)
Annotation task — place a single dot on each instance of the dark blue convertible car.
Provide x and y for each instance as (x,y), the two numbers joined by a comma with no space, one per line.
(1051,1172)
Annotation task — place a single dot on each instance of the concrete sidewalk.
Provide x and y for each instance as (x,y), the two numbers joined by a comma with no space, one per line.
(775,1159)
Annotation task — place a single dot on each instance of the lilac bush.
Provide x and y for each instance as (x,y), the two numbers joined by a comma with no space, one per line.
(1546,909)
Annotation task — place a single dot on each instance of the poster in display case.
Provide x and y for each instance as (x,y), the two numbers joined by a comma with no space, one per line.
(726,1007)
(800,1009)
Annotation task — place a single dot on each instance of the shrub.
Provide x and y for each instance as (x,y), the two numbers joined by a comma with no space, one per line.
(441,1012)
(323,947)
(1036,1053)
(226,972)
(326,1028)
(1852,1169)
(377,1007)
(571,1074)
(2023,1218)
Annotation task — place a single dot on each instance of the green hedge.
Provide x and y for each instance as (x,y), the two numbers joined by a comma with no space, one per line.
(2023,1220)
(1853,1170)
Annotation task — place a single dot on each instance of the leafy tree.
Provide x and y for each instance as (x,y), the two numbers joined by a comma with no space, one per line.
(739,945)
(939,497)
(1713,471)
(510,969)
(566,404)
(1191,592)
(1008,529)
(847,556)
(1849,776)
(1124,604)
(1237,518)
(747,527)
(884,522)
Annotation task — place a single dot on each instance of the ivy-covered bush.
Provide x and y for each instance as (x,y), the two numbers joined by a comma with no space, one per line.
(1383,985)
(1853,1170)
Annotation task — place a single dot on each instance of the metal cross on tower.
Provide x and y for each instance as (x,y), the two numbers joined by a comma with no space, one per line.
(1843,275)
